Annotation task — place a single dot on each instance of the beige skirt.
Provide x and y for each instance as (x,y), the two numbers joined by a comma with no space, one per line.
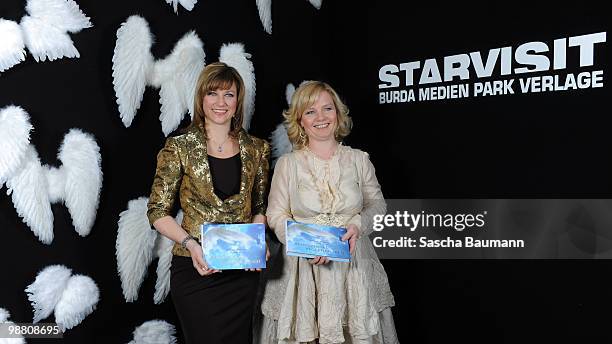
(332,303)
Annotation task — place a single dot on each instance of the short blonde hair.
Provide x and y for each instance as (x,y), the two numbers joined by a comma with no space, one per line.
(303,98)
(214,76)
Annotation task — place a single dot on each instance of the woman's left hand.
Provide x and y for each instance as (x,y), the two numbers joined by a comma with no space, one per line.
(352,234)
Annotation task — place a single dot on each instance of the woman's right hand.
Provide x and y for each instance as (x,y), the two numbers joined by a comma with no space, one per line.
(197,257)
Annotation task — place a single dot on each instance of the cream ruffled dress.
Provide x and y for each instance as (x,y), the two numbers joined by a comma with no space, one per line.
(336,302)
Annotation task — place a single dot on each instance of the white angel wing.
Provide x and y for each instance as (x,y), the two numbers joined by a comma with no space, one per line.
(187,4)
(265,14)
(12,49)
(233,54)
(30,196)
(134,247)
(279,138)
(289,91)
(15,130)
(45,28)
(154,332)
(4,316)
(163,250)
(78,300)
(46,290)
(177,75)
(280,142)
(316,3)
(62,14)
(132,64)
(81,175)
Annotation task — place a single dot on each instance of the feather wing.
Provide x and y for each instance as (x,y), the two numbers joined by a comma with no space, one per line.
(132,66)
(134,247)
(316,3)
(279,138)
(15,130)
(78,300)
(188,4)
(62,14)
(30,196)
(265,14)
(12,49)
(80,156)
(154,332)
(177,75)
(163,250)
(45,28)
(46,290)
(4,316)
(234,55)
(280,142)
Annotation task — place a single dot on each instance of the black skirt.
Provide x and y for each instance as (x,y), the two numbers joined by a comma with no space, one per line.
(214,309)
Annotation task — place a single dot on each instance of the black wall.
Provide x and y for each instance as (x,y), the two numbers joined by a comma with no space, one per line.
(540,146)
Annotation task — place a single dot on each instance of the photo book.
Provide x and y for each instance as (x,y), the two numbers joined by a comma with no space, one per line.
(234,246)
(311,240)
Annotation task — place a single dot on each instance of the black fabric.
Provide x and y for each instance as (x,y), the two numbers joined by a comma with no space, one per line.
(225,175)
(214,309)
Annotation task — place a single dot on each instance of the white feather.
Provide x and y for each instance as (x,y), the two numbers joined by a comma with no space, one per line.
(187,4)
(233,54)
(4,316)
(28,188)
(280,142)
(34,187)
(265,14)
(132,62)
(154,332)
(46,290)
(45,28)
(15,130)
(45,41)
(12,49)
(82,173)
(134,247)
(62,14)
(316,3)
(163,250)
(279,138)
(134,68)
(78,300)
(176,76)
(289,91)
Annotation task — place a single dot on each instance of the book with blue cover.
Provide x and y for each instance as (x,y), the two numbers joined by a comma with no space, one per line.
(234,246)
(311,240)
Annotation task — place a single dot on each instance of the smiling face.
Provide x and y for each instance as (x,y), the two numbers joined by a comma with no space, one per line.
(220,105)
(320,119)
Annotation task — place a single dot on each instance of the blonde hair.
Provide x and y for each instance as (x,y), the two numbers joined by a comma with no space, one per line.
(303,98)
(216,76)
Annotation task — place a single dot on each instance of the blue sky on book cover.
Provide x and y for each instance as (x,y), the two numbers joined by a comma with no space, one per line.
(234,246)
(309,240)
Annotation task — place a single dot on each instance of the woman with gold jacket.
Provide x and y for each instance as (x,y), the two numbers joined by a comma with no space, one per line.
(220,174)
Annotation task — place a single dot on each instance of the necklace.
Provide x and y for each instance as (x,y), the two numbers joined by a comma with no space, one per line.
(220,147)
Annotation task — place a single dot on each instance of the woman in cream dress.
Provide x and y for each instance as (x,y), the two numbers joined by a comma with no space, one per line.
(324,182)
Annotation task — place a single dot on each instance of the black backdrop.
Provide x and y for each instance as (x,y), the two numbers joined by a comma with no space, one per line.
(544,145)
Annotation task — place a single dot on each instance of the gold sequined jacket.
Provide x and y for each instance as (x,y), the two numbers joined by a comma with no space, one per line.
(183,170)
